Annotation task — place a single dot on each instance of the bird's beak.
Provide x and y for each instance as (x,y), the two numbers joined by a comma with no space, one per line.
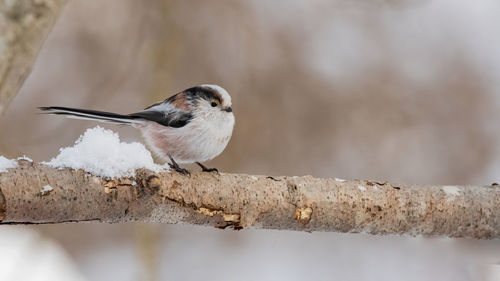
(228,109)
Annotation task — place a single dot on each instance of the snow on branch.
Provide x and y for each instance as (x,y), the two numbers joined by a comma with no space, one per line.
(103,179)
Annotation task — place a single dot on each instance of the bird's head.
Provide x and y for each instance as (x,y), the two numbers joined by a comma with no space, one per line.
(211,101)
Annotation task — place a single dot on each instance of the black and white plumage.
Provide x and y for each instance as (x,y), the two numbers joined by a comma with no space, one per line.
(192,126)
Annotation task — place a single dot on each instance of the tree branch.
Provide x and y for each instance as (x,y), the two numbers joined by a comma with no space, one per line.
(238,201)
(24,25)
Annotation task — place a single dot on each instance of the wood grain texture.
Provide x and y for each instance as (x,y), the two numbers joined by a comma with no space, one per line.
(239,201)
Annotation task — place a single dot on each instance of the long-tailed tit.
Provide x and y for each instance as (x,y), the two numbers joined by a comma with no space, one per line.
(192,126)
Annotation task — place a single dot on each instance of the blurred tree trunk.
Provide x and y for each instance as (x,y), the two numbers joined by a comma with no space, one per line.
(238,201)
(24,25)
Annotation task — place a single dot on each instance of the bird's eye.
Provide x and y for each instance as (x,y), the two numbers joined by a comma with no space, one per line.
(214,103)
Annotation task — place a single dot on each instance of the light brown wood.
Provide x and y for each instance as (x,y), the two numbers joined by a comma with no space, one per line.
(239,201)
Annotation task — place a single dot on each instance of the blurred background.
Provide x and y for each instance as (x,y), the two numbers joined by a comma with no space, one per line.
(396,90)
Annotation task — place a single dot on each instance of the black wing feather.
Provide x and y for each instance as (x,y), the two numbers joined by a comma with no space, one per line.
(175,119)
(84,111)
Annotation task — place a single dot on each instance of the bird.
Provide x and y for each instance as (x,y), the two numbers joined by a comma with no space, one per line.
(192,126)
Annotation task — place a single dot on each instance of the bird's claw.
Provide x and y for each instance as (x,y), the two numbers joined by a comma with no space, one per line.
(179,169)
(207,170)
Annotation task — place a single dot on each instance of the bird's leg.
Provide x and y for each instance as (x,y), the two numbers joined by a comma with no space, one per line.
(176,167)
(205,169)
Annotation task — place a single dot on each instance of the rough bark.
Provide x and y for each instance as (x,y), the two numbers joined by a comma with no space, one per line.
(24,25)
(239,201)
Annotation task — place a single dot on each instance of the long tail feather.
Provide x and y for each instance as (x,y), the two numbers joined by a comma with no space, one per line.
(87,114)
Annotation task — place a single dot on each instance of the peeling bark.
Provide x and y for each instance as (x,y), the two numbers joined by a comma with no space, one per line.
(24,25)
(239,201)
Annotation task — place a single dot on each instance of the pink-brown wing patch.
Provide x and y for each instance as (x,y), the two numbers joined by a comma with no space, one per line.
(181,102)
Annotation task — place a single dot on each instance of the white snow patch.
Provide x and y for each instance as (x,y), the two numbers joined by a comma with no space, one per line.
(339,180)
(6,164)
(100,152)
(361,187)
(254,178)
(46,189)
(25,158)
(451,190)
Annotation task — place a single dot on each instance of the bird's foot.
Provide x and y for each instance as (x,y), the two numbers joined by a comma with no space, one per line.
(175,166)
(178,169)
(208,170)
